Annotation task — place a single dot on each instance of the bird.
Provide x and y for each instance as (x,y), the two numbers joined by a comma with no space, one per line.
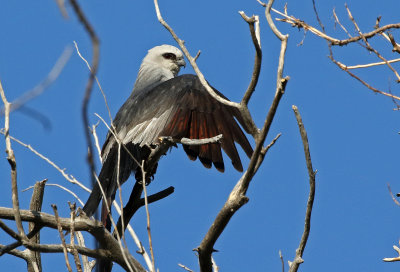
(165,104)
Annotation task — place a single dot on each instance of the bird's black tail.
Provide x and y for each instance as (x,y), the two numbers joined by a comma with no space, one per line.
(109,177)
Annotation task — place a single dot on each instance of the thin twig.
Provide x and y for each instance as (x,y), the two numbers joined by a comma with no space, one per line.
(185,267)
(97,80)
(371,64)
(336,42)
(96,141)
(396,46)
(197,55)
(301,24)
(340,24)
(147,216)
(122,233)
(68,177)
(63,188)
(265,150)
(369,47)
(316,15)
(343,67)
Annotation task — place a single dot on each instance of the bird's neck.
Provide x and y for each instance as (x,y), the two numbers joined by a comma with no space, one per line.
(150,76)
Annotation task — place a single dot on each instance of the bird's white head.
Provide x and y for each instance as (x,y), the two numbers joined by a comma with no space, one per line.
(167,57)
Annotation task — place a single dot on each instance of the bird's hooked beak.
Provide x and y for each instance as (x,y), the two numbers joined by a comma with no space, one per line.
(181,62)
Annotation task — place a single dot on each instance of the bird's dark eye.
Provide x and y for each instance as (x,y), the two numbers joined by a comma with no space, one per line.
(170,56)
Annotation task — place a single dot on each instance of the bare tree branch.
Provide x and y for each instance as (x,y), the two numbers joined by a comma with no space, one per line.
(369,47)
(250,126)
(10,247)
(394,259)
(283,263)
(185,267)
(237,197)
(299,252)
(254,25)
(361,37)
(111,247)
(68,177)
(301,24)
(72,207)
(13,164)
(89,86)
(60,232)
(36,205)
(146,204)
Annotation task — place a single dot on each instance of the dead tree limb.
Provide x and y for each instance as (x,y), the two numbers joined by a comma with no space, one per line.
(294,266)
(89,86)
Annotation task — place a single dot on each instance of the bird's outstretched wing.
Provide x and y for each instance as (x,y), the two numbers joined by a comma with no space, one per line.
(179,107)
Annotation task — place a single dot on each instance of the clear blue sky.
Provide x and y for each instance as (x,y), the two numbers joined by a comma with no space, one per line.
(353,133)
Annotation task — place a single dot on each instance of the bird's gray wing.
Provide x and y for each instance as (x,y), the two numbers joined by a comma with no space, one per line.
(179,107)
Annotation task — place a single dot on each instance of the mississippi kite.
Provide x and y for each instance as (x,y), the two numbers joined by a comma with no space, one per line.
(165,104)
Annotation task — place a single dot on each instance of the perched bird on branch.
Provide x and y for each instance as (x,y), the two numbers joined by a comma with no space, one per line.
(165,104)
